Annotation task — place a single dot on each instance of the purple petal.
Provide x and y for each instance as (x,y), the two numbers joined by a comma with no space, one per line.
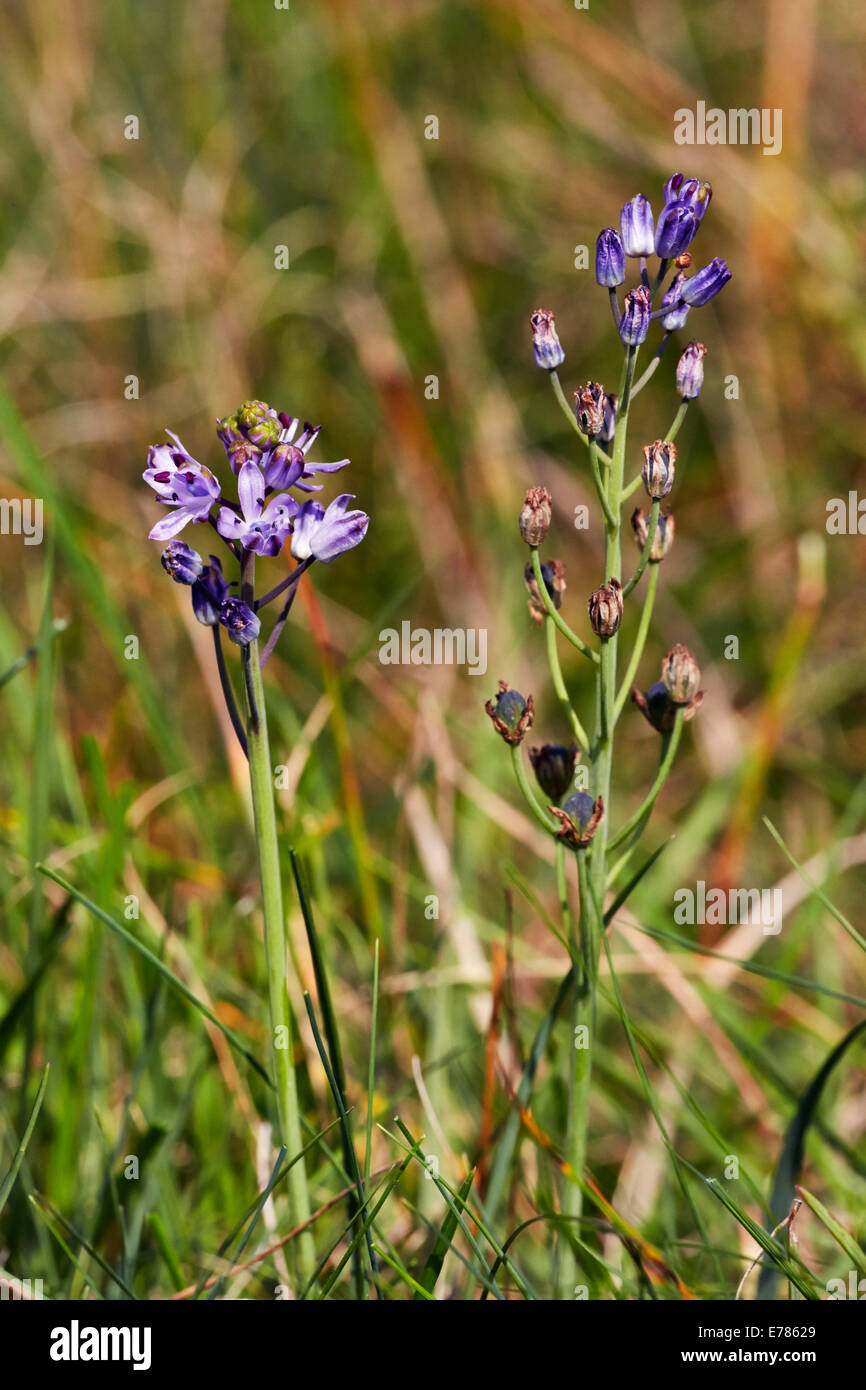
(251,490)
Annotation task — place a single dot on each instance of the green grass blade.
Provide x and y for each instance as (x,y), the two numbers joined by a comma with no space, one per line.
(9,1181)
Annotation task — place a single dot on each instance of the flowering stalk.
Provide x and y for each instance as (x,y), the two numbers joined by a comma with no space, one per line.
(601,422)
(268,457)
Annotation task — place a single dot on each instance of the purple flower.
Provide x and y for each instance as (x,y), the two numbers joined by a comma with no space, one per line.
(182,562)
(181,483)
(260,528)
(692,192)
(676,229)
(673,300)
(209,593)
(690,371)
(636,225)
(286,464)
(609,259)
(326,534)
(635,321)
(545,341)
(701,288)
(239,621)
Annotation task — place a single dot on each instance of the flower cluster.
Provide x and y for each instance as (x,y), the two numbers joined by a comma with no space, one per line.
(268,456)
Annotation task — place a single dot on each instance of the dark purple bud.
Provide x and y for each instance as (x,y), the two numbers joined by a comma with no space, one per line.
(554,768)
(664,534)
(284,466)
(690,371)
(635,321)
(703,287)
(209,593)
(239,621)
(609,259)
(605,608)
(579,819)
(658,708)
(659,466)
(636,225)
(511,714)
(182,562)
(545,343)
(673,300)
(239,454)
(681,675)
(535,515)
(676,230)
(553,574)
(589,408)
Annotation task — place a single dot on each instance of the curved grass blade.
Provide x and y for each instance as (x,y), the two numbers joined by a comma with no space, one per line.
(9,1181)
(447,1231)
(856,1254)
(791,1161)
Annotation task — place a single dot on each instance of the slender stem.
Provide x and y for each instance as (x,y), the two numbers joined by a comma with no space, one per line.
(646,548)
(228,689)
(631,487)
(614,307)
(678,420)
(289,580)
(640,642)
(580,1072)
(670,744)
(609,514)
(564,406)
(554,611)
(278,626)
(543,817)
(559,685)
(662,271)
(261,782)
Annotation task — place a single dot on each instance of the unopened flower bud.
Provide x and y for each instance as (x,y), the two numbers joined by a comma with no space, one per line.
(545,343)
(663,538)
(239,621)
(535,515)
(608,429)
(285,464)
(695,193)
(681,675)
(239,454)
(635,321)
(636,225)
(690,371)
(609,259)
(553,574)
(659,710)
(229,431)
(659,466)
(704,286)
(554,768)
(209,593)
(579,819)
(589,408)
(675,231)
(605,609)
(672,300)
(182,562)
(511,714)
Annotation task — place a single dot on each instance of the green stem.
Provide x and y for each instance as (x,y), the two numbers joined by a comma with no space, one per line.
(640,642)
(559,685)
(609,514)
(669,748)
(646,549)
(632,487)
(262,786)
(554,612)
(580,1073)
(678,420)
(543,817)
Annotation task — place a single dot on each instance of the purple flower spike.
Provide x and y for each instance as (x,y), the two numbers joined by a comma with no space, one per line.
(181,483)
(182,562)
(209,593)
(239,621)
(704,286)
(673,300)
(260,528)
(676,230)
(635,321)
(286,465)
(609,259)
(636,225)
(693,192)
(326,534)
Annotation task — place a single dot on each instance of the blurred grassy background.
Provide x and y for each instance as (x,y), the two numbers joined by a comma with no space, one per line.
(412,257)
